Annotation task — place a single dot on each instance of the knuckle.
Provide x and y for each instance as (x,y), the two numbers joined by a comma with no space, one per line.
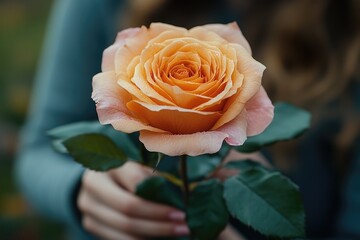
(126,207)
(88,224)
(87,180)
(166,230)
(127,225)
(130,206)
(82,203)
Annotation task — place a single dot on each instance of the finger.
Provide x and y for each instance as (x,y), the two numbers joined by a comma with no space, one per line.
(105,232)
(134,226)
(257,157)
(130,175)
(224,173)
(103,188)
(230,234)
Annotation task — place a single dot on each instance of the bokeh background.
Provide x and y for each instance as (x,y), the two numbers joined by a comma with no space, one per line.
(22,28)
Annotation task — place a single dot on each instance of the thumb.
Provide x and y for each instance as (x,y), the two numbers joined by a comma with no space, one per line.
(130,175)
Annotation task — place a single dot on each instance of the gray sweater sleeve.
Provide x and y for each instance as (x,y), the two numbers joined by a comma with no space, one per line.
(349,215)
(78,32)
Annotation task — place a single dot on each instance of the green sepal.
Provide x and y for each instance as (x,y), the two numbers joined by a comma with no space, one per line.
(95,151)
(151,159)
(289,122)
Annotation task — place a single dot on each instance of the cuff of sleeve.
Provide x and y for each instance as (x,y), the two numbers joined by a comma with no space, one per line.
(50,182)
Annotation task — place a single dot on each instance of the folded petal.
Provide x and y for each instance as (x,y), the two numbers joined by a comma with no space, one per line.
(230,32)
(110,101)
(108,60)
(156,28)
(252,71)
(260,113)
(189,144)
(173,119)
(236,130)
(124,123)
(108,94)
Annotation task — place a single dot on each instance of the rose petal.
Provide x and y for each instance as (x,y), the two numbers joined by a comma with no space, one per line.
(125,123)
(134,91)
(173,119)
(110,101)
(164,37)
(108,94)
(216,98)
(204,34)
(108,60)
(231,32)
(236,129)
(182,98)
(252,71)
(130,49)
(260,113)
(141,81)
(156,28)
(189,144)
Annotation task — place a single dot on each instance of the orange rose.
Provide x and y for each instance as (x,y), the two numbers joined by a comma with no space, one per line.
(186,91)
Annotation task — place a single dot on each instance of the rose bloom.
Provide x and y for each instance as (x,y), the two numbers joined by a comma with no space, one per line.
(186,91)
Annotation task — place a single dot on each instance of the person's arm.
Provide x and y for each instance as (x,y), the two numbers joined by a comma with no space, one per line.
(349,218)
(348,224)
(54,183)
(78,32)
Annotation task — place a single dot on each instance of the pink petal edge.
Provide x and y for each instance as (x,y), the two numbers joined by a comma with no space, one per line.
(108,60)
(110,101)
(190,144)
(260,112)
(230,32)
(236,129)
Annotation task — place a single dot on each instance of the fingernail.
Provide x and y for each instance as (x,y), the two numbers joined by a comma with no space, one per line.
(177,216)
(182,230)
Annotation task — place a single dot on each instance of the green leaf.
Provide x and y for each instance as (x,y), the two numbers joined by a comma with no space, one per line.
(207,215)
(288,123)
(267,201)
(224,150)
(58,145)
(95,151)
(73,129)
(160,190)
(200,166)
(122,140)
(243,165)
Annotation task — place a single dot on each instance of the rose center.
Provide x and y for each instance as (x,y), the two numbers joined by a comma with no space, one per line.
(182,71)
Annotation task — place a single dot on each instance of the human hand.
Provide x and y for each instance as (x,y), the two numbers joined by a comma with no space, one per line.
(110,210)
(223,173)
(230,233)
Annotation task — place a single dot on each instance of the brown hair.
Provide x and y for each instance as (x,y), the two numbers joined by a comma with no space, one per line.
(311,50)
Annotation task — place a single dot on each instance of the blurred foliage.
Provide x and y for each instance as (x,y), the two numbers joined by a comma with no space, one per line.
(22,25)
(22,28)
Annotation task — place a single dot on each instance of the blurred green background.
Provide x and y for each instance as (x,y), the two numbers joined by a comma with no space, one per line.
(22,28)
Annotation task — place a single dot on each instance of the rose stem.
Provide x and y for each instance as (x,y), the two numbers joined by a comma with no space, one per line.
(184,176)
(185,180)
